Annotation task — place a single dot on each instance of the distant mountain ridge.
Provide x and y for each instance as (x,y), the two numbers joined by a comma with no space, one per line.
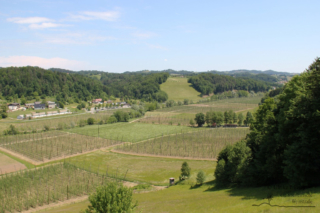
(186,72)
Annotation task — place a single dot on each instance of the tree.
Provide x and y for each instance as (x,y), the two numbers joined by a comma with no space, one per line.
(112,119)
(219,119)
(186,101)
(240,119)
(61,105)
(23,101)
(199,119)
(90,121)
(234,118)
(185,171)
(111,198)
(79,107)
(249,119)
(200,177)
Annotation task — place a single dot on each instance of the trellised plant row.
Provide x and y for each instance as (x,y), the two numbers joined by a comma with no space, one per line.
(37,187)
(51,145)
(204,144)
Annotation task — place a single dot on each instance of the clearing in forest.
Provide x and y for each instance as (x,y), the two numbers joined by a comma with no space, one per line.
(179,89)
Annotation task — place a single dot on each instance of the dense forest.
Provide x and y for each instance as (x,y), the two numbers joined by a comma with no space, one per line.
(208,83)
(139,86)
(17,82)
(30,82)
(283,145)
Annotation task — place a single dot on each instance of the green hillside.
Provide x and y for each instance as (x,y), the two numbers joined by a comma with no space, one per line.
(179,89)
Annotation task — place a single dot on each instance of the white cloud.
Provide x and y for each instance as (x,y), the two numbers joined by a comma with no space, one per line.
(40,62)
(35,22)
(76,38)
(91,15)
(29,20)
(44,25)
(165,59)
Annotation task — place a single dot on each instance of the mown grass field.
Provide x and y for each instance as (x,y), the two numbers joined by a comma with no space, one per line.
(179,89)
(140,168)
(207,198)
(129,132)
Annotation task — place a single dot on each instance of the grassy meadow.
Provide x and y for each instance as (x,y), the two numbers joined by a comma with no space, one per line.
(152,170)
(207,198)
(179,89)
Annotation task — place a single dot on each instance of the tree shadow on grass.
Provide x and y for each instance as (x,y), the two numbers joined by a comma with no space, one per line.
(261,193)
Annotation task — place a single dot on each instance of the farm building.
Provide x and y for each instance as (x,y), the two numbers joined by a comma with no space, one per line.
(126,106)
(30,105)
(39,106)
(96,101)
(14,106)
(51,105)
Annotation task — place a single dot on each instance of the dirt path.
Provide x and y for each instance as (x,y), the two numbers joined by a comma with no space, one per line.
(161,156)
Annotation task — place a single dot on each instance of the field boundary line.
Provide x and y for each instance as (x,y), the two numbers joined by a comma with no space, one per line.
(160,156)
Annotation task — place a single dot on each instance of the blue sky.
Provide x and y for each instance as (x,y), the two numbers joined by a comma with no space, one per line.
(118,36)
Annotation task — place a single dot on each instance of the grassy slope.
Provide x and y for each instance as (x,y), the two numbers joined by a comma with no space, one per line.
(131,132)
(182,198)
(179,89)
(145,169)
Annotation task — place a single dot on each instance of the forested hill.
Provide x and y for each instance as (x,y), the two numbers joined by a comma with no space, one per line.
(16,82)
(29,82)
(139,85)
(207,83)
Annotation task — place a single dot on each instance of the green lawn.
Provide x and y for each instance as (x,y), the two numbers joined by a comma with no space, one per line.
(179,89)
(131,132)
(182,198)
(145,169)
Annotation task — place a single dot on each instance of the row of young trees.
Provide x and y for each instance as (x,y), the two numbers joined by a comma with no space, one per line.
(283,145)
(214,119)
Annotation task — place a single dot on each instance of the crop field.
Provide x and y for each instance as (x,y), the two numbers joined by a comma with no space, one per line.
(45,185)
(179,89)
(203,144)
(52,145)
(129,132)
(153,170)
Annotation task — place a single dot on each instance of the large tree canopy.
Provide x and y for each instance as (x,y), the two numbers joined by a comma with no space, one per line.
(284,138)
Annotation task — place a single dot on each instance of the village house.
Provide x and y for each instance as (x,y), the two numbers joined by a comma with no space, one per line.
(126,106)
(96,101)
(51,105)
(29,106)
(39,106)
(14,106)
